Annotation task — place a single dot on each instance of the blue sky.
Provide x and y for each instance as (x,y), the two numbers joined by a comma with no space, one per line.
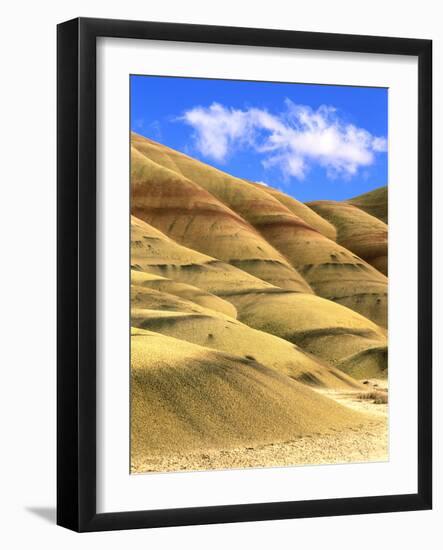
(311,141)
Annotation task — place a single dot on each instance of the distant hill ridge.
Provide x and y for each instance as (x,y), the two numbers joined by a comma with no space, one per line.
(374,202)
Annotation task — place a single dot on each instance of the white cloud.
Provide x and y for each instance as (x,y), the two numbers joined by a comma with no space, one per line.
(380,144)
(293,140)
(217,129)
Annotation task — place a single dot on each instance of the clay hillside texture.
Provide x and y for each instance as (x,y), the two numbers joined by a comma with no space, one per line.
(259,323)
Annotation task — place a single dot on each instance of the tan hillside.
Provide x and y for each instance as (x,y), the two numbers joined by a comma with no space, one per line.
(358,231)
(302,211)
(258,304)
(188,292)
(331,270)
(191,216)
(154,252)
(374,202)
(254,320)
(188,398)
(160,312)
(319,326)
(368,363)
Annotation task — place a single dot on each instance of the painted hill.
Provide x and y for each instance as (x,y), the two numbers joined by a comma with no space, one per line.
(374,202)
(302,211)
(245,225)
(357,231)
(249,310)
(154,252)
(328,330)
(188,398)
(333,331)
(190,215)
(181,290)
(177,317)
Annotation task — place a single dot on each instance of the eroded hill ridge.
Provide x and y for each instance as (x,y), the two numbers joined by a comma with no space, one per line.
(246,299)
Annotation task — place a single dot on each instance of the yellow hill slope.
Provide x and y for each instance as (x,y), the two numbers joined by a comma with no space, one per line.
(193,217)
(302,211)
(187,398)
(331,332)
(331,270)
(153,252)
(357,230)
(188,292)
(283,313)
(374,202)
(160,312)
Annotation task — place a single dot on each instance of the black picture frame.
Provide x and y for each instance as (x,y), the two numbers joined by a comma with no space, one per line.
(76,281)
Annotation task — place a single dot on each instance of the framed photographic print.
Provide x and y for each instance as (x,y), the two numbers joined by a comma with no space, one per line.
(244,274)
